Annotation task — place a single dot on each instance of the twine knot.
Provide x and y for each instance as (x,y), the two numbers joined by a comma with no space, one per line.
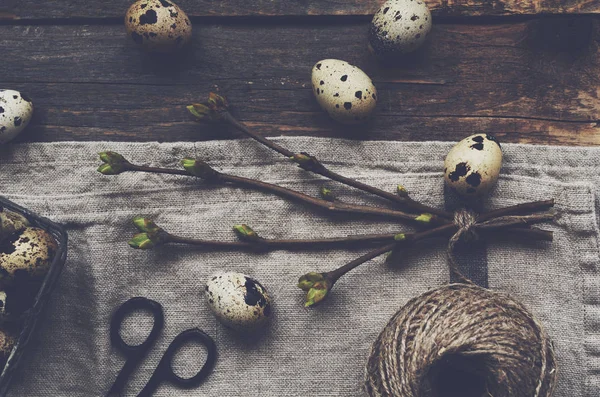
(465,220)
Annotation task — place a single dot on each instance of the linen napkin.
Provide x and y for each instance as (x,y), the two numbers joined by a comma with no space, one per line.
(303,352)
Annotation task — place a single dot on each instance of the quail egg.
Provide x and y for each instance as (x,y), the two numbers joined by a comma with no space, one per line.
(15,113)
(11,222)
(8,340)
(2,303)
(158,25)
(473,165)
(399,26)
(27,255)
(344,91)
(238,301)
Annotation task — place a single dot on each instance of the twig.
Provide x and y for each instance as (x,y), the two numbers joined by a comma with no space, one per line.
(207,173)
(348,242)
(318,285)
(311,164)
(264,244)
(514,220)
(332,206)
(334,275)
(401,240)
(404,239)
(530,233)
(533,206)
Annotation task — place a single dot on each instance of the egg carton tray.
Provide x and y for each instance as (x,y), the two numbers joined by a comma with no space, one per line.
(28,321)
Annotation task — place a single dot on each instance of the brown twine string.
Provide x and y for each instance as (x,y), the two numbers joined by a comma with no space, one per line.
(487,340)
(490,336)
(466,221)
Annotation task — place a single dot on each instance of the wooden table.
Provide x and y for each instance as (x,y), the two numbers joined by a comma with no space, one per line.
(527,71)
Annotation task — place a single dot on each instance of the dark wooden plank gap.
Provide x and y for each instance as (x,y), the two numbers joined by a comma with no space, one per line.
(34,9)
(306,20)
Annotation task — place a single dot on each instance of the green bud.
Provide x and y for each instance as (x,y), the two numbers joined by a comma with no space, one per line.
(393,257)
(210,110)
(316,286)
(141,241)
(245,232)
(424,218)
(199,110)
(188,163)
(301,158)
(327,194)
(145,225)
(112,157)
(217,102)
(199,168)
(307,162)
(308,280)
(108,169)
(400,237)
(114,163)
(401,191)
(151,237)
(314,296)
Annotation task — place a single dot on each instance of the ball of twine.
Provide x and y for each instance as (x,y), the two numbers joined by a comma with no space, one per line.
(462,340)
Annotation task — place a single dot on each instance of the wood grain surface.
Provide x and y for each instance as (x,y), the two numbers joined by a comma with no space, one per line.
(36,9)
(502,67)
(534,81)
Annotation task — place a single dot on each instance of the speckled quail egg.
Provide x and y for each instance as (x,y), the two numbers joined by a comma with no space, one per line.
(2,303)
(11,222)
(473,165)
(158,25)
(8,340)
(238,301)
(15,113)
(399,26)
(344,91)
(27,255)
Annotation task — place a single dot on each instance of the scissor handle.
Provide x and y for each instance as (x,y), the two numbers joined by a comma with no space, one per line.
(132,305)
(164,371)
(134,354)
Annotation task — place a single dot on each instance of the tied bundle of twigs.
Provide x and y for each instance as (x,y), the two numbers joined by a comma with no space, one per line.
(429,222)
(462,340)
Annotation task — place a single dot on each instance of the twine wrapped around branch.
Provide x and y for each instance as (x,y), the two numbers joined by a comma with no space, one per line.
(462,340)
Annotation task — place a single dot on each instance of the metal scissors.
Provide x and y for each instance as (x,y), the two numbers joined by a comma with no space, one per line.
(164,370)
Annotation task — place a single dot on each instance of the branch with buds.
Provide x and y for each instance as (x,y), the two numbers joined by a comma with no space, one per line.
(151,236)
(431,222)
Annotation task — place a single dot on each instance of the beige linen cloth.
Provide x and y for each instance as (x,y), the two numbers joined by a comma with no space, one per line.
(305,352)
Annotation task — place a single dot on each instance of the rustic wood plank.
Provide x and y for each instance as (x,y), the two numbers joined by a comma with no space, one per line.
(534,81)
(34,9)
